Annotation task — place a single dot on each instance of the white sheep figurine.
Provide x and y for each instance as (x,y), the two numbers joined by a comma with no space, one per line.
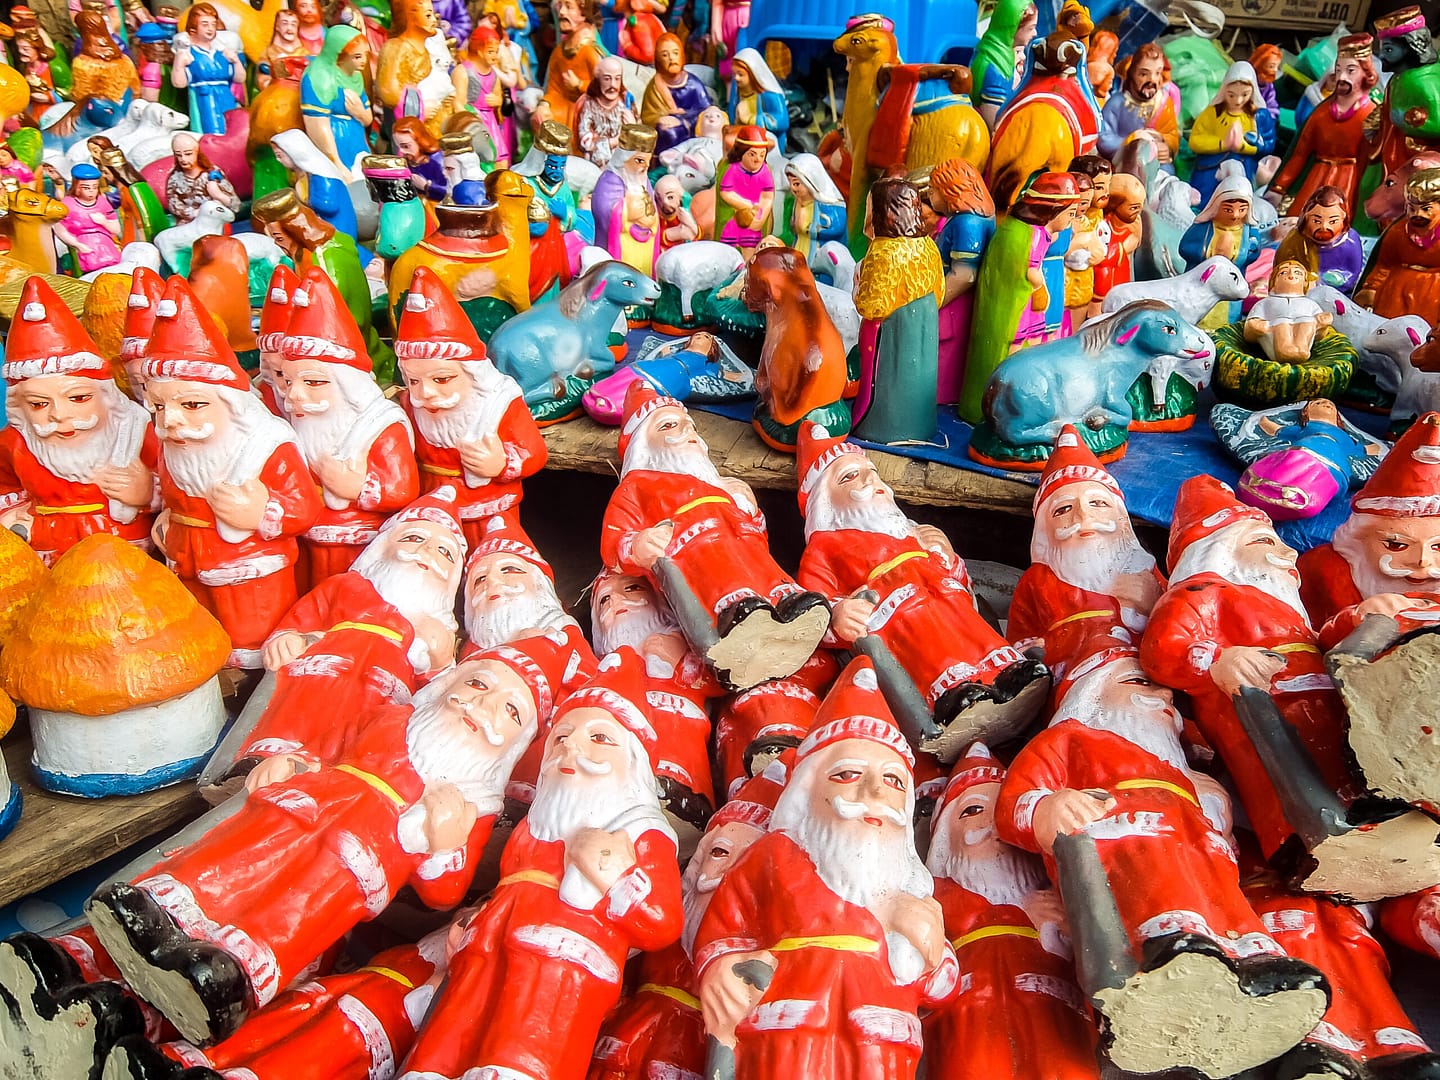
(175,242)
(1192,294)
(1357,323)
(1395,339)
(695,267)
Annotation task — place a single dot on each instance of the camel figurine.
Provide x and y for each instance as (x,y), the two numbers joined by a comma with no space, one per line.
(29,225)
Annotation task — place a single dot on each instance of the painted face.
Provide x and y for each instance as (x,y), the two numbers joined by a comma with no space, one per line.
(1321,410)
(283,240)
(1082,512)
(308,11)
(1405,549)
(1288,280)
(754,159)
(671,428)
(6,157)
(435,385)
(310,389)
(425,18)
(611,80)
(1257,547)
(554,170)
(1129,212)
(204,27)
(639,163)
(862,785)
(971,820)
(1423,214)
(587,746)
(1233,212)
(283,157)
(852,479)
(718,851)
(669,196)
(568,16)
(428,546)
(1324,223)
(1349,75)
(1065,219)
(188,412)
(1269,70)
(405,144)
(352,58)
(1236,95)
(63,407)
(491,52)
(497,579)
(712,122)
(87,191)
(668,59)
(620,599)
(186,151)
(744,81)
(798,188)
(1145,77)
(491,700)
(287,25)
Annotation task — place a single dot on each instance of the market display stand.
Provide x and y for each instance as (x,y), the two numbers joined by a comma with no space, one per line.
(585,446)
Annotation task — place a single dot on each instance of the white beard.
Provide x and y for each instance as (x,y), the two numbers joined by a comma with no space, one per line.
(501,623)
(634,629)
(1212,555)
(405,586)
(240,455)
(1094,564)
(643,456)
(876,514)
(451,427)
(564,805)
(695,900)
(444,751)
(78,459)
(1369,577)
(479,411)
(1006,877)
(1146,728)
(320,434)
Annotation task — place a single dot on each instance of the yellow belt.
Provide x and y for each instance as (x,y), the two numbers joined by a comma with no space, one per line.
(1161,785)
(1078,616)
(693,503)
(194,523)
(995,931)
(885,567)
(839,942)
(1296,646)
(369,628)
(534,877)
(392,975)
(83,508)
(1336,160)
(438,470)
(690,1001)
(375,782)
(1419,269)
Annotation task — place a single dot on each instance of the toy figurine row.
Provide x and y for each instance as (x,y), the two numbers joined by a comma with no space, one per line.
(1082,899)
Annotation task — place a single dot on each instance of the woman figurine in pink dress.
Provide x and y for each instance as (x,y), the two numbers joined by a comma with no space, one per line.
(92,228)
(746,192)
(480,85)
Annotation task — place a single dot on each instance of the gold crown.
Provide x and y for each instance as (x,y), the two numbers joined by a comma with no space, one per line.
(1423,186)
(457,142)
(638,137)
(1355,47)
(276,206)
(553,138)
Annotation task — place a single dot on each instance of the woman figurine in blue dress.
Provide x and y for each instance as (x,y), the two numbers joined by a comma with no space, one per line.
(209,68)
(318,181)
(333,104)
(816,210)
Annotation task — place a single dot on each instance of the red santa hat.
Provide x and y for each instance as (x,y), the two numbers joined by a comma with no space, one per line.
(438,508)
(752,804)
(433,326)
(1072,462)
(855,709)
(500,536)
(1407,483)
(275,315)
(619,689)
(978,766)
(816,451)
(1203,507)
(47,339)
(640,402)
(186,343)
(538,660)
(146,289)
(321,326)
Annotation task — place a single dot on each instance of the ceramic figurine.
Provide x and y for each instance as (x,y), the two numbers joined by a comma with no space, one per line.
(557,349)
(33,56)
(128,700)
(29,225)
(1387,202)
(285,46)
(1329,148)
(412,141)
(1091,583)
(317,181)
(676,224)
(1286,322)
(572,65)
(1324,242)
(958,194)
(141,213)
(745,192)
(78,457)
(1082,381)
(1009,313)
(1418,392)
(194,180)
(1104,793)
(242,515)
(92,227)
(756,97)
(771,998)
(1268,61)
(815,214)
(1222,227)
(1100,64)
(1298,458)
(274,321)
(206,66)
(460,165)
(1018,1017)
(1123,218)
(1141,110)
(1232,633)
(701,540)
(481,84)
(698,368)
(1235,126)
(1403,275)
(993,65)
(146,289)
(392,812)
(900,284)
(899,591)
(624,201)
(412,76)
(553,213)
(1088,242)
(695,159)
(100,69)
(1406,48)
(404,220)
(674,98)
(219,277)
(1193,294)
(802,371)
(602,113)
(473,431)
(308,241)
(333,103)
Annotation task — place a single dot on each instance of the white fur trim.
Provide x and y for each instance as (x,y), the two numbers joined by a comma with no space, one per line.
(886,1025)
(570,946)
(377,1041)
(363,864)
(252,569)
(68,364)
(630,889)
(783,1014)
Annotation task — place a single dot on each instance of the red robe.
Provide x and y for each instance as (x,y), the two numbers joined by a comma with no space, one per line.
(248,585)
(780,707)
(1189,627)
(1018,1014)
(360,666)
(65,512)
(1330,150)
(659,1030)
(1404,273)
(307,859)
(926,614)
(721,549)
(678,706)
(1169,869)
(1326,584)
(525,455)
(1414,921)
(534,976)
(338,536)
(340,1027)
(834,1009)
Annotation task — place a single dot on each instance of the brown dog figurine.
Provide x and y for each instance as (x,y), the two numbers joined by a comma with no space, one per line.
(220,278)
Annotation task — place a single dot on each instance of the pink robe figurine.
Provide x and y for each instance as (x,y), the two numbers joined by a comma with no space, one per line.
(92,228)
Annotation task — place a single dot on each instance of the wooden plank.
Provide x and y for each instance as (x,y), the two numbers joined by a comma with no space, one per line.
(59,835)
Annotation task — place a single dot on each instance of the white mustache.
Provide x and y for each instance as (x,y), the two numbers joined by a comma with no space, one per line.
(677,440)
(439,403)
(705,884)
(200,434)
(852,811)
(866,494)
(45,430)
(979,836)
(1282,561)
(594,768)
(1067,531)
(493,737)
(1387,567)
(313,408)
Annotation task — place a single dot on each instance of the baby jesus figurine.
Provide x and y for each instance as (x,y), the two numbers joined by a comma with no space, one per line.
(1286,322)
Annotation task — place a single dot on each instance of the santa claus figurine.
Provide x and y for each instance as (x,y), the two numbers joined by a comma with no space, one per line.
(1181,969)
(1232,633)
(1089,584)
(756,726)
(146,289)
(1019,1013)
(899,588)
(659,1031)
(356,441)
(702,540)
(274,321)
(589,875)
(221,926)
(473,429)
(819,948)
(235,488)
(78,457)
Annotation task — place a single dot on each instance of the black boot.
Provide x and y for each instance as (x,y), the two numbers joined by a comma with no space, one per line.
(1405,1067)
(1312,1061)
(136,1058)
